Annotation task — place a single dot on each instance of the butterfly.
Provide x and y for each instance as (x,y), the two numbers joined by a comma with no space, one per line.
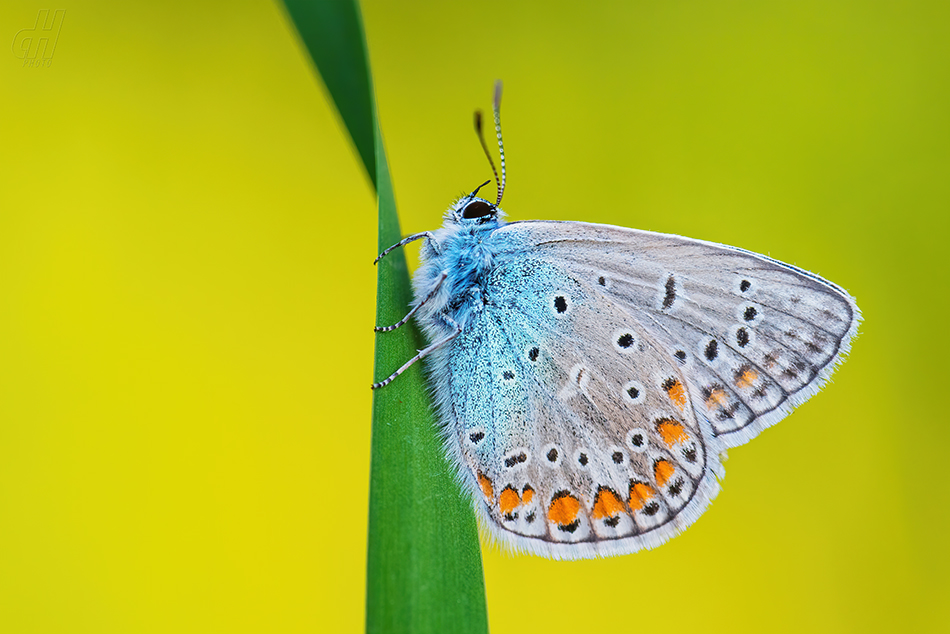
(589,378)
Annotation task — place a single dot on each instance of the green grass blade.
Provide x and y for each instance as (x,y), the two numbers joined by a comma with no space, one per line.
(424,567)
(424,570)
(332,31)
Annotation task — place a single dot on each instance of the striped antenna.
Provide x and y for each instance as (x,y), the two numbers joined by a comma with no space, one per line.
(481,138)
(496,107)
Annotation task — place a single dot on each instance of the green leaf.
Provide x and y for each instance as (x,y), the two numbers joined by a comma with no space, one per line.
(332,31)
(424,571)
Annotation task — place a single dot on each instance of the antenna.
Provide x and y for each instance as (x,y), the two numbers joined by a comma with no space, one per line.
(496,108)
(472,195)
(481,137)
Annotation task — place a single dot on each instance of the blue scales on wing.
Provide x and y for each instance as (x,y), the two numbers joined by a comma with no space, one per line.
(569,422)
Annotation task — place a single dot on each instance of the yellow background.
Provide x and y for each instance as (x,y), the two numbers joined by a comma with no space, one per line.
(187,297)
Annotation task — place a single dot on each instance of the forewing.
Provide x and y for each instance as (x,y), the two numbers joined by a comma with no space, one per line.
(753,337)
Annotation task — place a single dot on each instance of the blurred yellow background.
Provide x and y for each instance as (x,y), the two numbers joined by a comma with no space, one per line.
(187,298)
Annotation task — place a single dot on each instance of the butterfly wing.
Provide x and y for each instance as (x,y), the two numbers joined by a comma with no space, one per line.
(586,405)
(755,337)
(573,449)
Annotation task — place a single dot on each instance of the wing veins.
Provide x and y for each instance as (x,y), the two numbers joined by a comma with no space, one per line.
(687,299)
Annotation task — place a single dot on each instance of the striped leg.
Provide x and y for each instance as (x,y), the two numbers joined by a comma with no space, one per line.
(405,241)
(422,353)
(435,289)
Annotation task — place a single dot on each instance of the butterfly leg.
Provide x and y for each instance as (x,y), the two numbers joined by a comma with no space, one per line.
(435,289)
(422,353)
(405,241)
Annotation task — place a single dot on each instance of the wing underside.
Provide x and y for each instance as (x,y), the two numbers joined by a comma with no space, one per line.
(591,399)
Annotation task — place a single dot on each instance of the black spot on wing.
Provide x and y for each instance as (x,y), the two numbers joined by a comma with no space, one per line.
(569,528)
(670,292)
(742,337)
(516,459)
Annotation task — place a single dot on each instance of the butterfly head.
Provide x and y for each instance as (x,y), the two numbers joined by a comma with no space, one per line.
(472,210)
(475,211)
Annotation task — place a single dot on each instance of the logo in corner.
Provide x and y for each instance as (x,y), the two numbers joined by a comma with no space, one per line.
(35,46)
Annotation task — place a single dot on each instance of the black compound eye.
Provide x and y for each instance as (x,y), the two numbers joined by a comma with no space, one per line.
(477,209)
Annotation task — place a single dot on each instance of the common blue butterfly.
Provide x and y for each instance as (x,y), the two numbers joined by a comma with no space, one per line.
(590,378)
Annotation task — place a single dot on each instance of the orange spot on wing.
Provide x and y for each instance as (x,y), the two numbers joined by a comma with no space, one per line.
(485,485)
(564,508)
(606,504)
(663,471)
(746,378)
(676,392)
(527,495)
(717,398)
(671,431)
(508,501)
(639,494)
